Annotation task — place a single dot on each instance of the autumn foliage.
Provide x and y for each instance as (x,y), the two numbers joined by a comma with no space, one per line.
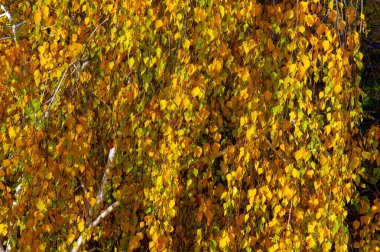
(183,125)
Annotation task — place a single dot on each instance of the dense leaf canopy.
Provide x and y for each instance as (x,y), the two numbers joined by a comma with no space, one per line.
(183,125)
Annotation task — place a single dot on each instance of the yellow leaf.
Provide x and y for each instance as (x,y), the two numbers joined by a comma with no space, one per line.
(299,154)
(195,91)
(304,5)
(326,45)
(251,132)
(170,4)
(210,32)
(81,225)
(41,49)
(276,210)
(70,238)
(305,61)
(159,181)
(171,203)
(3,229)
(218,65)
(158,24)
(321,236)
(310,173)
(12,132)
(222,11)
(328,129)
(49,175)
(37,17)
(282,147)
(81,168)
(245,74)
(87,20)
(131,62)
(292,68)
(224,241)
(45,11)
(288,192)
(40,205)
(163,104)
(310,228)
(186,45)
(43,60)
(310,20)
(295,173)
(246,47)
(92,202)
(185,102)
(177,100)
(260,171)
(228,177)
(328,116)
(251,195)
(301,29)
(301,70)
(310,242)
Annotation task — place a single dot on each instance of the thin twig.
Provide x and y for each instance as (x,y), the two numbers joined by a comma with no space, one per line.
(290,215)
(92,34)
(53,98)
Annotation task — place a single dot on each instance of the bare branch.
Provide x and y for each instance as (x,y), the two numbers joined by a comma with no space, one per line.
(95,223)
(92,34)
(106,177)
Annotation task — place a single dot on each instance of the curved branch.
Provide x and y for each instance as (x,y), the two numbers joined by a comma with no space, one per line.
(95,223)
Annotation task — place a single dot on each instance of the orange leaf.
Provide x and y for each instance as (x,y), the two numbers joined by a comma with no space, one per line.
(337,88)
(158,24)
